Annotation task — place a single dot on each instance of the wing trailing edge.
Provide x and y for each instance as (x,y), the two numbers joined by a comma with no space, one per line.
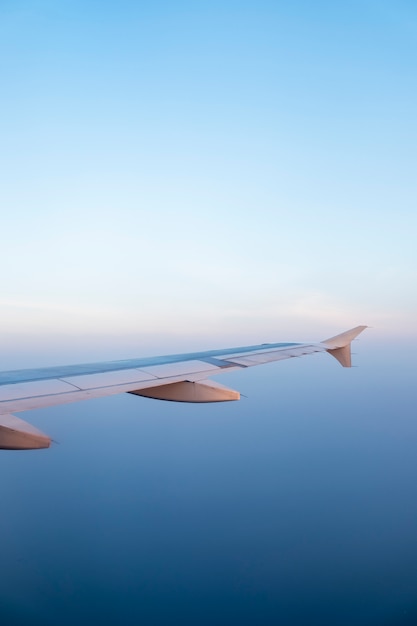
(177,378)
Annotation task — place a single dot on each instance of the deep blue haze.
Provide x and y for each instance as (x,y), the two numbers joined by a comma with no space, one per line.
(295,505)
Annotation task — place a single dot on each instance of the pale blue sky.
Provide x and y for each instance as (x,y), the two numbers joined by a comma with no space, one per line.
(240,169)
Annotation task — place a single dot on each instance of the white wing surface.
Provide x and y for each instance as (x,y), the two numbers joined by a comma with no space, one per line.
(179,378)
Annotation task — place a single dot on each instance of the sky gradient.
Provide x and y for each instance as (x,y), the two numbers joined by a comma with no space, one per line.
(225,169)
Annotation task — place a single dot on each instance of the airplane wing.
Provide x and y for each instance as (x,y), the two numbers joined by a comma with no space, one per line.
(179,378)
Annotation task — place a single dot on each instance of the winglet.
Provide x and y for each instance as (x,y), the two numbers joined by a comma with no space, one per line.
(339,346)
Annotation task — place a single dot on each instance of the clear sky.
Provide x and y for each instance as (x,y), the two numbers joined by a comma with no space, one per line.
(242,169)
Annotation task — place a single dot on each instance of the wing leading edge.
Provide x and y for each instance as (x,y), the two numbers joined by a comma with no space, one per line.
(178,378)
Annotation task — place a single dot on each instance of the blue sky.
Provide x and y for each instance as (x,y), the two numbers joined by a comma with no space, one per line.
(223,169)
